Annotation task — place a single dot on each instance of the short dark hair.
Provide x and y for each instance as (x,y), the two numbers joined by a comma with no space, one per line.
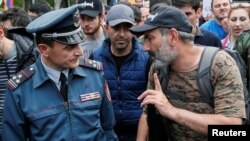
(153,4)
(137,13)
(40,8)
(195,4)
(17,16)
(41,40)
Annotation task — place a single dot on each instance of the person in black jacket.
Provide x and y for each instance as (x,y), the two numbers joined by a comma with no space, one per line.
(25,47)
(13,23)
(15,17)
(17,49)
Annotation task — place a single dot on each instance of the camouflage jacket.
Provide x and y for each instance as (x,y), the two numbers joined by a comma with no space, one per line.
(243,43)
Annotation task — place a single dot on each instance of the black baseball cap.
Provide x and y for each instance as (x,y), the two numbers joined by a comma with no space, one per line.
(90,7)
(166,17)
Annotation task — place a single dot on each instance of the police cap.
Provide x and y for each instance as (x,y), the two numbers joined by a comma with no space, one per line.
(62,25)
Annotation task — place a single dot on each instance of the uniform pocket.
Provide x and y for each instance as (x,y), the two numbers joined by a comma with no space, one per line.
(50,111)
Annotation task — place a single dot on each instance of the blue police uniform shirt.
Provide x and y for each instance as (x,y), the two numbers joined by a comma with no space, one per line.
(35,106)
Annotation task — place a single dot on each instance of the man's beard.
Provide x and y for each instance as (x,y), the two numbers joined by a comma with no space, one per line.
(165,55)
(120,47)
(94,30)
(220,18)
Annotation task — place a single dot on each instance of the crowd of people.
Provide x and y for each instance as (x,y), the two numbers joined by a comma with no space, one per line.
(97,72)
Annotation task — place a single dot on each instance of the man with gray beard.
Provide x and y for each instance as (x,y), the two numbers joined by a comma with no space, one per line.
(184,112)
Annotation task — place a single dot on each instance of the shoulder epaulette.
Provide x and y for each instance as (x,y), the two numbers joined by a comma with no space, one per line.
(20,77)
(85,62)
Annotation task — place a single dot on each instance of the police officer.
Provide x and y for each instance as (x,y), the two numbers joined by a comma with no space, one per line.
(61,96)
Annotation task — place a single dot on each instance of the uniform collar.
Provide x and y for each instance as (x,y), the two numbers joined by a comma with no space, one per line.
(41,75)
(53,74)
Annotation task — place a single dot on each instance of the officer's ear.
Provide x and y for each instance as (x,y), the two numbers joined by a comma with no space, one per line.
(43,49)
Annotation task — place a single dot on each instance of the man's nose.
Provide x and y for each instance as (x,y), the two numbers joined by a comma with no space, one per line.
(78,50)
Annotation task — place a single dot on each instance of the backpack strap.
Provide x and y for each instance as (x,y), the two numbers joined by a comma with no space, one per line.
(163,75)
(203,76)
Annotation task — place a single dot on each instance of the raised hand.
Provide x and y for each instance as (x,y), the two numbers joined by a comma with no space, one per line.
(157,98)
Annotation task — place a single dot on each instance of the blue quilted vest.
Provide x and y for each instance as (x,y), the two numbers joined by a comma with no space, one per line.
(127,84)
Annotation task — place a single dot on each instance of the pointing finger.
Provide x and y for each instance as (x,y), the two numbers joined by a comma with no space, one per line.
(142,96)
(157,83)
(146,93)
